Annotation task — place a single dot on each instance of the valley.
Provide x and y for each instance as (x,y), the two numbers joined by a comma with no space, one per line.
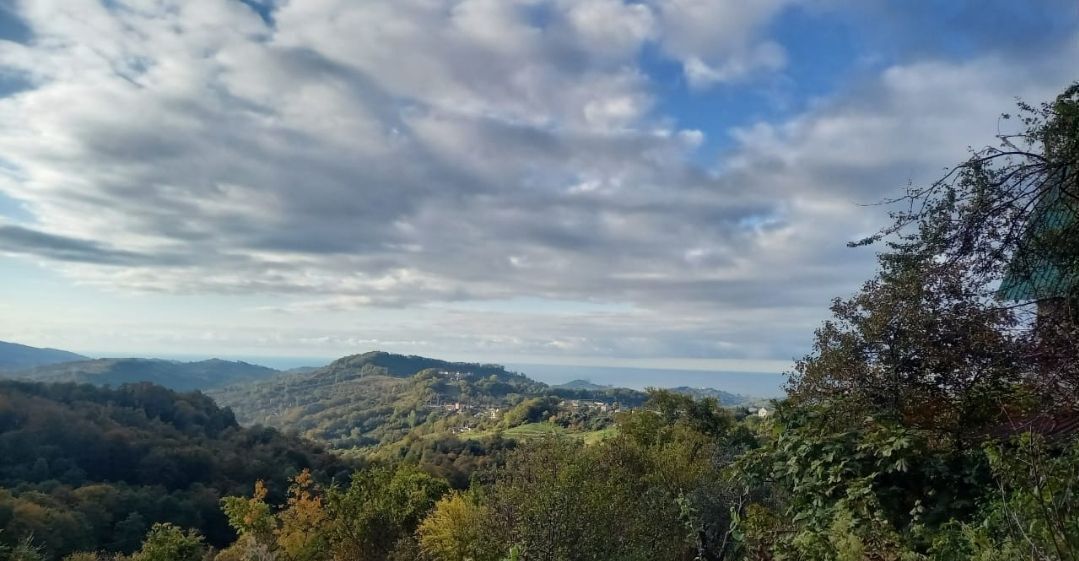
(375,403)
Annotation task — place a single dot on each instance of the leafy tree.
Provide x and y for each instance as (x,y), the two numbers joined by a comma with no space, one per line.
(1000,228)
(944,337)
(372,518)
(166,542)
(969,326)
(128,533)
(1033,513)
(915,347)
(380,507)
(84,556)
(456,530)
(297,533)
(640,496)
(666,411)
(301,534)
(253,520)
(871,490)
(24,550)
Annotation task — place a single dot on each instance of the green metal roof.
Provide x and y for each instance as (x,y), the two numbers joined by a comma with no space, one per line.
(1036,275)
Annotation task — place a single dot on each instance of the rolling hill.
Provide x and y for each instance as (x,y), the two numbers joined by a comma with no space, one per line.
(371,398)
(376,399)
(182,376)
(14,356)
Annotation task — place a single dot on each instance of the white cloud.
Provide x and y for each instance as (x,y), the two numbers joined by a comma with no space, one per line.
(764,56)
(610,28)
(720,40)
(407,154)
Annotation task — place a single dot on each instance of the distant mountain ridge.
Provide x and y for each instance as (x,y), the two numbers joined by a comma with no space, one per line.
(582,385)
(14,356)
(175,375)
(724,398)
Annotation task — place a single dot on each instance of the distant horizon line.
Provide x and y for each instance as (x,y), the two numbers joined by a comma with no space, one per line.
(287,361)
(746,377)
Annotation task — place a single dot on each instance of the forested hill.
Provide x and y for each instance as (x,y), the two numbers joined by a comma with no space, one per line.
(389,364)
(14,356)
(724,398)
(379,398)
(90,468)
(365,399)
(182,376)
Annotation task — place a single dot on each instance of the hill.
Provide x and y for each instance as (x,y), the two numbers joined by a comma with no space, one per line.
(376,397)
(14,356)
(389,364)
(182,376)
(382,403)
(582,385)
(90,468)
(724,398)
(451,418)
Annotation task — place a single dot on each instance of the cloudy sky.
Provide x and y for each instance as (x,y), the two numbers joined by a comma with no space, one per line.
(649,182)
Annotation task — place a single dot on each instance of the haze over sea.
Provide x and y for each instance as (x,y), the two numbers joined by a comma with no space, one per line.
(757,384)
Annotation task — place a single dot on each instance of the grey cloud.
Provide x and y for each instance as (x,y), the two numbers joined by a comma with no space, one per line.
(20,240)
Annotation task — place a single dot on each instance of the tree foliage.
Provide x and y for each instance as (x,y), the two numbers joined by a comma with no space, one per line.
(87,468)
(890,446)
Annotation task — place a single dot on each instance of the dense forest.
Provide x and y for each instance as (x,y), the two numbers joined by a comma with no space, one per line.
(83,467)
(936,418)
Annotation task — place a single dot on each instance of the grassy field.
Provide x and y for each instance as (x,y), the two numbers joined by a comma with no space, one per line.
(536,430)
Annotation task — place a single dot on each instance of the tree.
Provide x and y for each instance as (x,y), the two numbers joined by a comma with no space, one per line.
(297,533)
(886,449)
(251,517)
(167,542)
(665,411)
(457,530)
(301,532)
(380,507)
(954,332)
(916,347)
(24,550)
(641,496)
(370,519)
(128,533)
(1003,227)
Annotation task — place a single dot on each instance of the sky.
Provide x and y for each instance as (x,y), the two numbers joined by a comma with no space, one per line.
(651,183)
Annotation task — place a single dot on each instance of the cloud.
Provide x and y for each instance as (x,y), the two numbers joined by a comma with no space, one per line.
(19,240)
(424,156)
(720,41)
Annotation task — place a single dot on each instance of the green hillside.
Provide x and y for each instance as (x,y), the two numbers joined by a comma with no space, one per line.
(376,399)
